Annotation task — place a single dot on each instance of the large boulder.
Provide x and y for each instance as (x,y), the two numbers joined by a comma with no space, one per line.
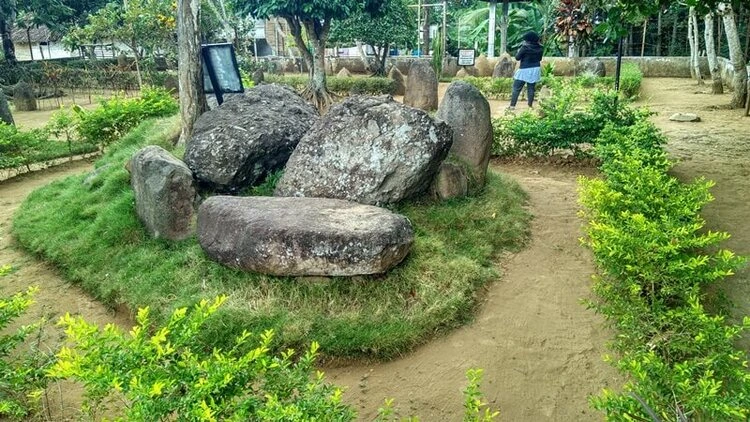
(5,115)
(505,67)
(371,150)
(399,83)
(451,182)
(483,66)
(422,86)
(238,143)
(592,66)
(24,97)
(302,236)
(165,193)
(467,112)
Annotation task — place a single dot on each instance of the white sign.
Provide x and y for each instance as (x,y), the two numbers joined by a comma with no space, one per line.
(466,57)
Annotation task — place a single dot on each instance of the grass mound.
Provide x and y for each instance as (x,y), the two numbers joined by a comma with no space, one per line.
(91,232)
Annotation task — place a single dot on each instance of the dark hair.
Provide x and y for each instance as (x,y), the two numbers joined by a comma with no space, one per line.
(531,37)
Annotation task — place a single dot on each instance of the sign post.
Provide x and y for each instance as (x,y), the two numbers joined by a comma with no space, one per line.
(221,75)
(466,57)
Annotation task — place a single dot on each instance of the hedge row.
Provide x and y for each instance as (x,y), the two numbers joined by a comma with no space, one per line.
(655,259)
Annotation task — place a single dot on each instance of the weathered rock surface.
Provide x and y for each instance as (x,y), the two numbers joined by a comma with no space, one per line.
(371,150)
(467,112)
(344,73)
(399,83)
(258,77)
(462,73)
(685,117)
(422,87)
(593,66)
(237,144)
(302,236)
(483,66)
(450,182)
(23,97)
(164,193)
(505,67)
(5,115)
(450,66)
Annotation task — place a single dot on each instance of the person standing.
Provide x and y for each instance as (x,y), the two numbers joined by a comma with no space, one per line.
(530,71)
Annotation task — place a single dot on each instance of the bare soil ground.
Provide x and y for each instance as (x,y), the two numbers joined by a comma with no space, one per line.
(540,348)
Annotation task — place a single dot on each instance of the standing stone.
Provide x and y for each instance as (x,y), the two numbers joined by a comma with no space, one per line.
(164,193)
(462,73)
(482,65)
(302,236)
(344,73)
(399,84)
(451,182)
(450,66)
(172,84)
(467,112)
(5,115)
(249,136)
(422,86)
(505,67)
(258,77)
(122,62)
(371,150)
(23,97)
(593,66)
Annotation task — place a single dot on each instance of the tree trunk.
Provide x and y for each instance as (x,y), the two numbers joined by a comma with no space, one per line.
(747,38)
(659,30)
(9,51)
(736,56)
(673,39)
(317,92)
(189,69)
(717,87)
(504,28)
(28,39)
(643,38)
(5,114)
(694,45)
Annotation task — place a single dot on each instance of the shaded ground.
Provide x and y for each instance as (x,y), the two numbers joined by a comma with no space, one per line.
(539,347)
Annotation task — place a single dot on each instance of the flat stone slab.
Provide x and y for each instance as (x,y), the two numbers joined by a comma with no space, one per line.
(302,236)
(685,117)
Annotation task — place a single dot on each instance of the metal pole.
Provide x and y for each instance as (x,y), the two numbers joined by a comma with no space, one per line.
(491,30)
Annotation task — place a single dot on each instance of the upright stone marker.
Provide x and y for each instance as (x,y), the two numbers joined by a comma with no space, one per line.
(23,97)
(5,114)
(505,67)
(164,193)
(399,83)
(422,86)
(467,112)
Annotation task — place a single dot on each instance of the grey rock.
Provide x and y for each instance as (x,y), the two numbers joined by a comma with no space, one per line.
(399,83)
(505,67)
(5,115)
(24,97)
(467,112)
(422,86)
(302,236)
(164,193)
(172,83)
(450,66)
(685,117)
(238,143)
(451,182)
(258,77)
(593,66)
(371,150)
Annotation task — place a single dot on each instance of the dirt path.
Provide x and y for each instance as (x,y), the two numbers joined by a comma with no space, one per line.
(541,350)
(717,148)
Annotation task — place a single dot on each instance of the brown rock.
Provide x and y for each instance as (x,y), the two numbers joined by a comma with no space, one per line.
(399,82)
(451,182)
(422,87)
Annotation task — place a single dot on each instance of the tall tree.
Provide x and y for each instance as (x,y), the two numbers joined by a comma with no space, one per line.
(190,71)
(7,17)
(35,13)
(396,26)
(314,17)
(717,86)
(736,55)
(693,38)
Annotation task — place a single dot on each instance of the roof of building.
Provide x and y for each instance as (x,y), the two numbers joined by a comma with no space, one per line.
(37,34)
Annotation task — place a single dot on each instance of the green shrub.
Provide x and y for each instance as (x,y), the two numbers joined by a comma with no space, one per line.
(630,80)
(655,258)
(16,147)
(493,88)
(22,373)
(117,115)
(163,373)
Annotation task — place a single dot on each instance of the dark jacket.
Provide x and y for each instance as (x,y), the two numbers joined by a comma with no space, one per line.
(530,55)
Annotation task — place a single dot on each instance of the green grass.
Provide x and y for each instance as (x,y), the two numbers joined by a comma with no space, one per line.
(93,235)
